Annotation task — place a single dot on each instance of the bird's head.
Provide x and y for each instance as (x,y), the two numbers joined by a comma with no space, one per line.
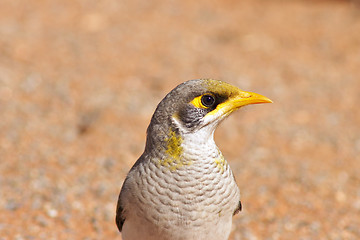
(194,108)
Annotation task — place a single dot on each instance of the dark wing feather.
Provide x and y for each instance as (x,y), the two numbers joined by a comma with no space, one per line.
(238,209)
(120,218)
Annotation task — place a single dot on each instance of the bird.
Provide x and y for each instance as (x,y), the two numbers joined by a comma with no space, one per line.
(181,187)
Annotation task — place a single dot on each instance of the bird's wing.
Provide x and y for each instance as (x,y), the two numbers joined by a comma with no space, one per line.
(120,218)
(124,195)
(238,208)
(120,209)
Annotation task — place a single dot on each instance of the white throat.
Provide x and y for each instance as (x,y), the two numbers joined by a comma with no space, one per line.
(201,140)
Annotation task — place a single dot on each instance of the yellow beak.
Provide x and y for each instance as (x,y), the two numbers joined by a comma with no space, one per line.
(239,99)
(244,98)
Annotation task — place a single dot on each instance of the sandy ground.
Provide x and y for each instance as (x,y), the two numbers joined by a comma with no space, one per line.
(79,81)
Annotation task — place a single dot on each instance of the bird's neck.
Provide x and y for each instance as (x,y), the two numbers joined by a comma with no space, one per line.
(175,149)
(200,144)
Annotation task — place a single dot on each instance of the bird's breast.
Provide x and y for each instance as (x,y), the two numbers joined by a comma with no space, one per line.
(186,191)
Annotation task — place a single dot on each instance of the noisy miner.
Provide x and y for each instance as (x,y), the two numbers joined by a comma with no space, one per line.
(181,187)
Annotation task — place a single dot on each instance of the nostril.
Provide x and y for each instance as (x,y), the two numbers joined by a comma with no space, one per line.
(246,95)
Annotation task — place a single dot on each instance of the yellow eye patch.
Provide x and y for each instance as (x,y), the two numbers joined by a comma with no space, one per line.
(204,101)
(197,102)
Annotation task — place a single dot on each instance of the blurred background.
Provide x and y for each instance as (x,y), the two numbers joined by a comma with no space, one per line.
(79,81)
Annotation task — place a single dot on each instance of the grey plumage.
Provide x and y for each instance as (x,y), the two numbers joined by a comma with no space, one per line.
(182,188)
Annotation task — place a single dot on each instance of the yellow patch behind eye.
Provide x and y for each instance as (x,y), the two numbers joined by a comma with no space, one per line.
(197,102)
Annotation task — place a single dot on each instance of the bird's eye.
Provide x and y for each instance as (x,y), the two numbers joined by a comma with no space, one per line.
(208,100)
